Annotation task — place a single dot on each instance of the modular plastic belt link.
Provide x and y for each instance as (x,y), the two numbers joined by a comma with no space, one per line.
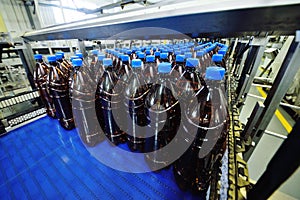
(238,171)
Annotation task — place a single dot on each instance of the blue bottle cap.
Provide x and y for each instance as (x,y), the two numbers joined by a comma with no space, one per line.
(170,50)
(215,73)
(200,53)
(164,68)
(177,52)
(73,57)
(148,52)
(101,57)
(77,62)
(141,55)
(51,58)
(164,55)
(154,48)
(217,57)
(180,58)
(148,48)
(157,53)
(95,52)
(128,52)
(125,57)
(222,51)
(117,49)
(164,51)
(192,62)
(188,54)
(150,58)
(38,56)
(60,52)
(120,55)
(58,56)
(79,55)
(136,63)
(107,62)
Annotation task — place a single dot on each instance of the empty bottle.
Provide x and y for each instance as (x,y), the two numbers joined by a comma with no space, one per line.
(107,99)
(207,115)
(40,79)
(164,112)
(84,106)
(59,91)
(135,95)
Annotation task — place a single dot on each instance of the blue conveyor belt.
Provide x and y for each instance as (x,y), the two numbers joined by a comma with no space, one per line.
(43,161)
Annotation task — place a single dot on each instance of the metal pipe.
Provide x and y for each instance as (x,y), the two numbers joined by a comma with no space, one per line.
(281,103)
(263,86)
(275,134)
(262,78)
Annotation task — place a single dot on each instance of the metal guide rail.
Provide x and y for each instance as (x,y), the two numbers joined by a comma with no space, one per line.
(237,167)
(16,118)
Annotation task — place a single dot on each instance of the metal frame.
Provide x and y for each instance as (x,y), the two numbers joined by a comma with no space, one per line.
(221,21)
(280,86)
(252,63)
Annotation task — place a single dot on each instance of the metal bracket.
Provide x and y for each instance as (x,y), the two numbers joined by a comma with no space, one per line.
(280,86)
(257,50)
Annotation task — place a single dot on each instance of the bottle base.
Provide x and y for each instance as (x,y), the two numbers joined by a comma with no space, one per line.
(67,124)
(51,113)
(117,138)
(92,140)
(136,144)
(155,164)
(181,182)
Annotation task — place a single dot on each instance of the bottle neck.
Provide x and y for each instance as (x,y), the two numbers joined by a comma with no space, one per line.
(190,69)
(39,60)
(53,63)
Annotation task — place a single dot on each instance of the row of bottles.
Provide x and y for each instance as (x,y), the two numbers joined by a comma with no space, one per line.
(146,97)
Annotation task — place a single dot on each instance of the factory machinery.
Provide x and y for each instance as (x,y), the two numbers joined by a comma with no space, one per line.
(248,39)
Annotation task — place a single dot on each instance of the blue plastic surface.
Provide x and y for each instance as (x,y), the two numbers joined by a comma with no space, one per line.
(164,55)
(79,55)
(54,164)
(101,57)
(150,58)
(38,56)
(135,63)
(107,62)
(51,58)
(164,67)
(58,56)
(192,62)
(180,58)
(215,73)
(95,51)
(77,62)
(125,58)
(217,57)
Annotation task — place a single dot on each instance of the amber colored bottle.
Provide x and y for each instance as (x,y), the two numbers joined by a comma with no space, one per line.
(40,78)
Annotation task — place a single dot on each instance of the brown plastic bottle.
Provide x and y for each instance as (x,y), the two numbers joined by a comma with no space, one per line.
(40,78)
